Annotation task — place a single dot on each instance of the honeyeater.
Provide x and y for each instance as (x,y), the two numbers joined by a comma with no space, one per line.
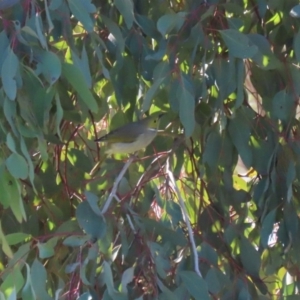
(133,136)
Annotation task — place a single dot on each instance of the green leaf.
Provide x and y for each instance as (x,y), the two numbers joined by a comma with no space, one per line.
(29,161)
(27,291)
(238,44)
(17,166)
(166,293)
(50,67)
(239,131)
(208,254)
(283,106)
(174,237)
(12,295)
(76,79)
(212,281)
(267,228)
(72,267)
(16,238)
(92,223)
(127,277)
(9,109)
(76,241)
(38,280)
(125,8)
(81,12)
(186,107)
(174,211)
(4,47)
(40,29)
(8,74)
(291,220)
(87,296)
(108,278)
(11,195)
(59,114)
(151,93)
(80,160)
(49,20)
(47,250)
(5,245)
(117,37)
(168,22)
(264,57)
(244,294)
(240,83)
(83,65)
(250,257)
(295,11)
(14,280)
(195,285)
(212,150)
(10,142)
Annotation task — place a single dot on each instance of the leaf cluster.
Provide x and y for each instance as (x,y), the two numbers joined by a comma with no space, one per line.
(227,75)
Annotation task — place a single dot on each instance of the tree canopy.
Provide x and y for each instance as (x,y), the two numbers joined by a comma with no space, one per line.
(210,210)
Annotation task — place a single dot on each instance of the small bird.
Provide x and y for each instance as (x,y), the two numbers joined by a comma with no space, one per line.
(132,136)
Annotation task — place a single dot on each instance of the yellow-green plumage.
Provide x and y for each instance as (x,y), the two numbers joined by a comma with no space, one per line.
(132,137)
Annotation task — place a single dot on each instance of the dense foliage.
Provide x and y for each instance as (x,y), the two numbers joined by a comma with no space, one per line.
(210,210)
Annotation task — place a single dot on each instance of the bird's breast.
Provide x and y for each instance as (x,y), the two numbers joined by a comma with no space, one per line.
(141,142)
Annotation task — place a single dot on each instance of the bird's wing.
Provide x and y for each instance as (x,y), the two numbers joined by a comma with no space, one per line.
(127,134)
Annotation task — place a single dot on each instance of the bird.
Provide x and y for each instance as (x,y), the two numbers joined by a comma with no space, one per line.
(133,136)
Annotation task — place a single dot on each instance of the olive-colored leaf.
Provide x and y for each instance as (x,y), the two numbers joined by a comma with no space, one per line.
(238,44)
(295,11)
(27,291)
(76,79)
(14,280)
(8,74)
(47,250)
(267,228)
(17,166)
(38,280)
(93,224)
(16,238)
(50,67)
(81,12)
(125,8)
(250,257)
(195,285)
(5,245)
(186,107)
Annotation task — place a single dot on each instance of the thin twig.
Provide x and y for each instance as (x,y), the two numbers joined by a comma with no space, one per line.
(185,218)
(113,193)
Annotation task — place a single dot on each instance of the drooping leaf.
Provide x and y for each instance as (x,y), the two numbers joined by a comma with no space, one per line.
(125,8)
(195,285)
(92,223)
(238,44)
(13,281)
(76,79)
(186,107)
(17,166)
(168,22)
(250,257)
(38,280)
(8,74)
(27,291)
(82,13)
(295,11)
(50,67)
(267,228)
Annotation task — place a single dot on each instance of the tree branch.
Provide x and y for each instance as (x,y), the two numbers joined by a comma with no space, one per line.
(185,218)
